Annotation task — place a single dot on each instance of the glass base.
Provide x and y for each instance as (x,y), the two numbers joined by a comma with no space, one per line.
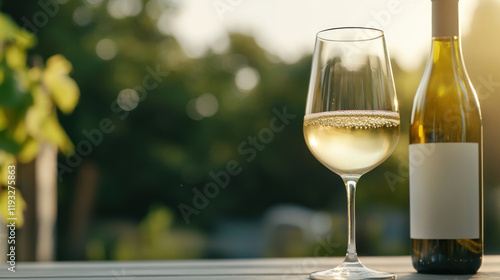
(351,270)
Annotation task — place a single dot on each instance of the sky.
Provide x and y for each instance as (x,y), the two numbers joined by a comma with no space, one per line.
(287,28)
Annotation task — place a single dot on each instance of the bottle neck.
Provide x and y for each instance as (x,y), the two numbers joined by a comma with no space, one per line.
(445,18)
(445,32)
(446,51)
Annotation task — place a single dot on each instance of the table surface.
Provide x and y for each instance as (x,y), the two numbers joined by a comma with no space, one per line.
(258,269)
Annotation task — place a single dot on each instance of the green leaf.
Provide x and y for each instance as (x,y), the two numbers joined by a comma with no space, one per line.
(8,27)
(63,89)
(42,123)
(28,151)
(54,133)
(10,32)
(15,57)
(36,114)
(8,144)
(12,93)
(20,206)
(3,120)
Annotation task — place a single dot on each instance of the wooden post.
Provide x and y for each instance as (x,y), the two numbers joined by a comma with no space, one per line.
(46,201)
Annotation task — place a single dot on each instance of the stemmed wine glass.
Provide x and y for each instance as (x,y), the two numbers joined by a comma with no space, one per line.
(351,123)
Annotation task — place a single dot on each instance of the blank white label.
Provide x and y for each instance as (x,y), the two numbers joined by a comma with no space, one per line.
(444,191)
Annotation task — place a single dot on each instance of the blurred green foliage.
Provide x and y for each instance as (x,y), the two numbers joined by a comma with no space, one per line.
(154,238)
(29,96)
(157,154)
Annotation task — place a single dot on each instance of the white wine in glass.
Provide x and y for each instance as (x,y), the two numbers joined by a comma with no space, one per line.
(351,124)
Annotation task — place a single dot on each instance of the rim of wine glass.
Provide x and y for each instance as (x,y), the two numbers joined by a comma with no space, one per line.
(380,34)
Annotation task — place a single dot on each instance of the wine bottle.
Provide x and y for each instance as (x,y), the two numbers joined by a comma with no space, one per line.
(446,181)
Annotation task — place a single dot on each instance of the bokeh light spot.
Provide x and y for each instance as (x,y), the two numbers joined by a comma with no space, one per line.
(94,3)
(82,16)
(106,49)
(128,99)
(163,23)
(202,107)
(221,46)
(155,8)
(120,9)
(191,110)
(247,78)
(207,105)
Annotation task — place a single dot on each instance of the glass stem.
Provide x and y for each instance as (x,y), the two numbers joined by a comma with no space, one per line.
(350,185)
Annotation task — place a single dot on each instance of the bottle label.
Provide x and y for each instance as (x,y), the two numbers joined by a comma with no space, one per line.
(444,191)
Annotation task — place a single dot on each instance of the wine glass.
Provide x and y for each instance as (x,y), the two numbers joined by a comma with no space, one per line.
(351,123)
